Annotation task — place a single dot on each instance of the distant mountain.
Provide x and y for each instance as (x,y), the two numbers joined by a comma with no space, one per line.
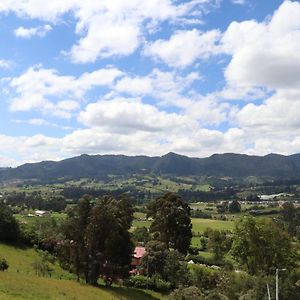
(218,165)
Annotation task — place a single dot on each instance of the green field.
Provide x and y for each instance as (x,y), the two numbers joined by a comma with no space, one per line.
(20,282)
(199,225)
(18,286)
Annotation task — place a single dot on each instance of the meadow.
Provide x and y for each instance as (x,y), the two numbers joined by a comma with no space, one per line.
(20,282)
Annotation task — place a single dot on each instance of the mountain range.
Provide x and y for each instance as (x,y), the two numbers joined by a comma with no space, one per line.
(98,166)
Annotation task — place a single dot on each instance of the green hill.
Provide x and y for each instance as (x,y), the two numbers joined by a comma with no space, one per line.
(20,282)
(100,166)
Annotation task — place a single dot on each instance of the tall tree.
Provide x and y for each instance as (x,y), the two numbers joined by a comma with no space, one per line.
(9,227)
(171,221)
(99,238)
(261,245)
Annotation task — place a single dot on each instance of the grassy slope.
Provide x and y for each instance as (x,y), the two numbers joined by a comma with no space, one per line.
(18,286)
(20,282)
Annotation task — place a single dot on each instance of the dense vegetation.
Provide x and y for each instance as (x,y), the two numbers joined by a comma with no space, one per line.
(93,238)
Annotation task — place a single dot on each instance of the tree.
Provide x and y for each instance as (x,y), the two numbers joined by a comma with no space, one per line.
(175,269)
(154,260)
(9,227)
(219,242)
(171,221)
(75,230)
(189,293)
(98,240)
(141,235)
(234,207)
(262,245)
(291,216)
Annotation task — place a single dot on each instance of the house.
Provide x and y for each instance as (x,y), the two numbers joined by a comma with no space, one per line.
(41,213)
(136,262)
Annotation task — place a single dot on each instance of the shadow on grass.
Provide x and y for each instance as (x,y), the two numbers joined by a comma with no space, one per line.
(129,293)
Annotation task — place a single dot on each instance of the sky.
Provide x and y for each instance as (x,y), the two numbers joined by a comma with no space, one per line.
(195,77)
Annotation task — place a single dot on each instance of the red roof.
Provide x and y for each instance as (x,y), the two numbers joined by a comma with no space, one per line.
(139,252)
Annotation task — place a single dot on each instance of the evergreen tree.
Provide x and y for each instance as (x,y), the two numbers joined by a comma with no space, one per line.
(171,221)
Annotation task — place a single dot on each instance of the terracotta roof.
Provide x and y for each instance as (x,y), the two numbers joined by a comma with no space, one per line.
(139,252)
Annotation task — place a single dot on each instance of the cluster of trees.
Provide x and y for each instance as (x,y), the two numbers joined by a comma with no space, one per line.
(97,240)
(231,207)
(36,201)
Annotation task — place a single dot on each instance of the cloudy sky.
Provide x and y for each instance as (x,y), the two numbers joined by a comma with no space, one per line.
(195,77)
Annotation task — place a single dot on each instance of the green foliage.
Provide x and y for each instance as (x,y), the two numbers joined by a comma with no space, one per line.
(9,227)
(97,238)
(171,221)
(154,260)
(42,264)
(219,242)
(143,282)
(189,293)
(3,264)
(175,269)
(141,235)
(203,277)
(261,245)
(234,207)
(291,216)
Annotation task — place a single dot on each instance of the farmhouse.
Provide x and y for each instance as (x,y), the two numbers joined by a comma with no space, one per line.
(138,254)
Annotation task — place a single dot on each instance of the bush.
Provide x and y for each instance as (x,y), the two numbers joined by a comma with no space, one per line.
(153,283)
(3,264)
(190,293)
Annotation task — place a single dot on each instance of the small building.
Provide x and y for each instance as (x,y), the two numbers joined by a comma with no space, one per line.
(41,213)
(138,254)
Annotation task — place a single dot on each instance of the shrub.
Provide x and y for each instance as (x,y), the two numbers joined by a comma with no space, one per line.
(153,283)
(189,293)
(3,264)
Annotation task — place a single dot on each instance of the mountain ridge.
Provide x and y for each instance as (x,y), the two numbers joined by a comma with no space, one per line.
(97,166)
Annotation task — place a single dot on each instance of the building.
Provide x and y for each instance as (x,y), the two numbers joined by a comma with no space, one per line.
(136,262)
(41,213)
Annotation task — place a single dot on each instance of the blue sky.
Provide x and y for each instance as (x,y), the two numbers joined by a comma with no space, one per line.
(195,77)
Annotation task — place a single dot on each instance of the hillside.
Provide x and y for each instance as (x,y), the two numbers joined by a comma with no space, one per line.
(99,166)
(20,282)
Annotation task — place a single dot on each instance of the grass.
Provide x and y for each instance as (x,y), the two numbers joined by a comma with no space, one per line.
(20,282)
(19,286)
(199,225)
(20,261)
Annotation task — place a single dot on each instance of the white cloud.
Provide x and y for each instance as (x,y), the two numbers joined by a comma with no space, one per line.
(240,2)
(107,27)
(157,84)
(265,54)
(129,115)
(5,64)
(49,92)
(185,47)
(27,33)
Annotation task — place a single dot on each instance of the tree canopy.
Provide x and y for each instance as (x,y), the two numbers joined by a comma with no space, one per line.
(171,221)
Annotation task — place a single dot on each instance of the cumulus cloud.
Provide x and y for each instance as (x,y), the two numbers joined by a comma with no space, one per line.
(185,47)
(129,115)
(265,54)
(27,33)
(106,28)
(47,91)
